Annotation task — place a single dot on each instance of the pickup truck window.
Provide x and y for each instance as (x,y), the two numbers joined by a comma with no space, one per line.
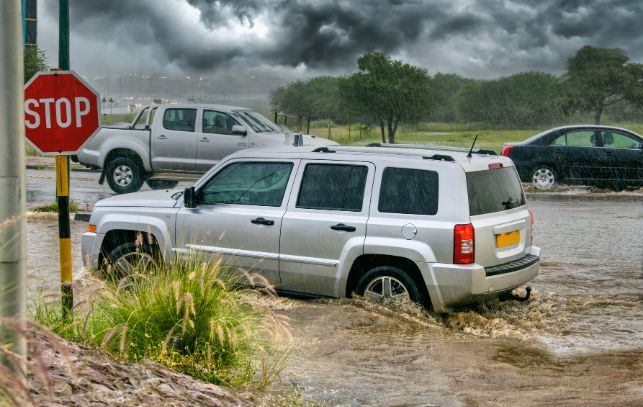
(256,121)
(248,183)
(179,119)
(333,187)
(218,122)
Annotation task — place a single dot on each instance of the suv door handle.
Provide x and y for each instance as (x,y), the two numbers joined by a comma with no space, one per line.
(162,137)
(263,221)
(204,139)
(342,227)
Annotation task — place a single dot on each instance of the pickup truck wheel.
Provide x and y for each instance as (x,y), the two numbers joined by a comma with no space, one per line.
(388,284)
(124,175)
(161,184)
(129,259)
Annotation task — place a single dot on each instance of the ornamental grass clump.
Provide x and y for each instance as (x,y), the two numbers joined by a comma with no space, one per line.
(193,316)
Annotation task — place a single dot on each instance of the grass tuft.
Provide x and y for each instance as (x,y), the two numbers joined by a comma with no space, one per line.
(53,207)
(190,316)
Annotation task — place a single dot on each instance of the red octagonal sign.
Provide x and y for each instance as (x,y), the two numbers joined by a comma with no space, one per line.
(61,112)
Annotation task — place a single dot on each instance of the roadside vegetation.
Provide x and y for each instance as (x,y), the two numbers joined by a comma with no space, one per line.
(53,207)
(194,317)
(599,85)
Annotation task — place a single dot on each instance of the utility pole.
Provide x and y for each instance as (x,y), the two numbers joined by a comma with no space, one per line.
(13,240)
(62,176)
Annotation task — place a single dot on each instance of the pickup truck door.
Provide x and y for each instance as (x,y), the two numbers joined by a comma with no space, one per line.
(216,140)
(238,215)
(174,140)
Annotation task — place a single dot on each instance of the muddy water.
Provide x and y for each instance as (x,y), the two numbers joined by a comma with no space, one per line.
(578,341)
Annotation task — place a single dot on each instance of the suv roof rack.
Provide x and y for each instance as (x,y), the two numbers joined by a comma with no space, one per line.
(433,147)
(323,150)
(439,157)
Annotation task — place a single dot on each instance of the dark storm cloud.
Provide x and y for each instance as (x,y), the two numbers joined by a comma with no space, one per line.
(482,38)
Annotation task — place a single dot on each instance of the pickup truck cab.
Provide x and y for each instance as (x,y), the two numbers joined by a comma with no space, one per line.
(165,142)
(392,223)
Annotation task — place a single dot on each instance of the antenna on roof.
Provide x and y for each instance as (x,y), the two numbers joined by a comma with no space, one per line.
(472,144)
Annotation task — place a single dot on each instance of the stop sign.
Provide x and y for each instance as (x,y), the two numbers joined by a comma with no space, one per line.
(61,112)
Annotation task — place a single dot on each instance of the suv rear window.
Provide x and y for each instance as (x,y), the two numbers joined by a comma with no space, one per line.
(333,187)
(409,191)
(494,191)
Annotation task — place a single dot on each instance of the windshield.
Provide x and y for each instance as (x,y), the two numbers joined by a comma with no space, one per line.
(256,121)
(494,191)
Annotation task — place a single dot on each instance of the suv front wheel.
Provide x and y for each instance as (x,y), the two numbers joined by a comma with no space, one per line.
(389,284)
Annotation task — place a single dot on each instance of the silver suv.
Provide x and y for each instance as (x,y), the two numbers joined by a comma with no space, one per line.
(441,228)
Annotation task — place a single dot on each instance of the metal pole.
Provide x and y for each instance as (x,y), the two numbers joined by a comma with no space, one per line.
(13,239)
(62,177)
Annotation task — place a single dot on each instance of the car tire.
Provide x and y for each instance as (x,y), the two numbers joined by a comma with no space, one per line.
(128,257)
(161,184)
(372,285)
(124,174)
(543,177)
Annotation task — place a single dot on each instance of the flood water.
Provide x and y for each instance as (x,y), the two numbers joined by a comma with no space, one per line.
(577,341)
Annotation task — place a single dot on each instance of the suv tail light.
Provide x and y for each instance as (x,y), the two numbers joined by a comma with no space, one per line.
(531,229)
(463,244)
(505,150)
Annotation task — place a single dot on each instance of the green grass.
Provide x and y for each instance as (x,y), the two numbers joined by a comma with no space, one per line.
(190,316)
(73,207)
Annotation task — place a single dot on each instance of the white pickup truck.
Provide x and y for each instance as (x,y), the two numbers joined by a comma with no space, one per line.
(164,143)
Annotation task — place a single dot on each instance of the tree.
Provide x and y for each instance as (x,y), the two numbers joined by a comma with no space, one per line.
(599,77)
(34,61)
(389,91)
(524,99)
(445,89)
(314,99)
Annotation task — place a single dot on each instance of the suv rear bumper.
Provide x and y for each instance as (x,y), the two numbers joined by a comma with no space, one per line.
(450,285)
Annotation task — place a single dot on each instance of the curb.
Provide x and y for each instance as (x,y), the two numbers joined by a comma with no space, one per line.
(48,167)
(557,196)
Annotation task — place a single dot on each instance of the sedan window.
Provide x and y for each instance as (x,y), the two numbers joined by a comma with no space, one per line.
(613,139)
(580,138)
(248,183)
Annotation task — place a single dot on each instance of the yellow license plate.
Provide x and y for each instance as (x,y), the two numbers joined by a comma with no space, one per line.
(508,239)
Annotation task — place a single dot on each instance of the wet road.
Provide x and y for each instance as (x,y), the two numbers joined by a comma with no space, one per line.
(578,341)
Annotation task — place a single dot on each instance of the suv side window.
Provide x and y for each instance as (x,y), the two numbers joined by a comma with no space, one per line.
(338,187)
(409,191)
(218,122)
(179,119)
(248,183)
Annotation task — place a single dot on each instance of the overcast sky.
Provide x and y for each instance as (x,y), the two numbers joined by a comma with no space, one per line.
(479,39)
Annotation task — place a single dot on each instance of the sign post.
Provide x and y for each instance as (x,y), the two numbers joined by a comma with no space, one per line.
(61,113)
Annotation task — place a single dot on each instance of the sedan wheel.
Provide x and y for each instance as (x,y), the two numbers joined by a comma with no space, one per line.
(543,178)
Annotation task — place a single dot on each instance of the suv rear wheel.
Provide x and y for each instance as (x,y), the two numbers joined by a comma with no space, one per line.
(389,284)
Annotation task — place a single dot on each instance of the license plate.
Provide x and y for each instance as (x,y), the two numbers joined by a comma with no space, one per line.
(507,239)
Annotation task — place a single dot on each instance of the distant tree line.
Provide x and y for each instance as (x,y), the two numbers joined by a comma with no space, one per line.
(385,92)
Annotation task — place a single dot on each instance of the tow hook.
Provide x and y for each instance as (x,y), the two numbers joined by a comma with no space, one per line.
(514,297)
(101,180)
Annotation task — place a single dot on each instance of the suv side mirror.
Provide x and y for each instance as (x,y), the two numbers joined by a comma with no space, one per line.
(239,130)
(189,198)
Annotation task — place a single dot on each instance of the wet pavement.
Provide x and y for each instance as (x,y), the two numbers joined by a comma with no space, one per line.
(577,341)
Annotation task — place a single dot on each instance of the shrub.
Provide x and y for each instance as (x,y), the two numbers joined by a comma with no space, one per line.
(192,316)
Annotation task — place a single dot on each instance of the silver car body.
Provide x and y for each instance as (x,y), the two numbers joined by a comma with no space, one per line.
(301,253)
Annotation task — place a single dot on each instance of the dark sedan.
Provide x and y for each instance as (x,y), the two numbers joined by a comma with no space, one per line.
(589,155)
